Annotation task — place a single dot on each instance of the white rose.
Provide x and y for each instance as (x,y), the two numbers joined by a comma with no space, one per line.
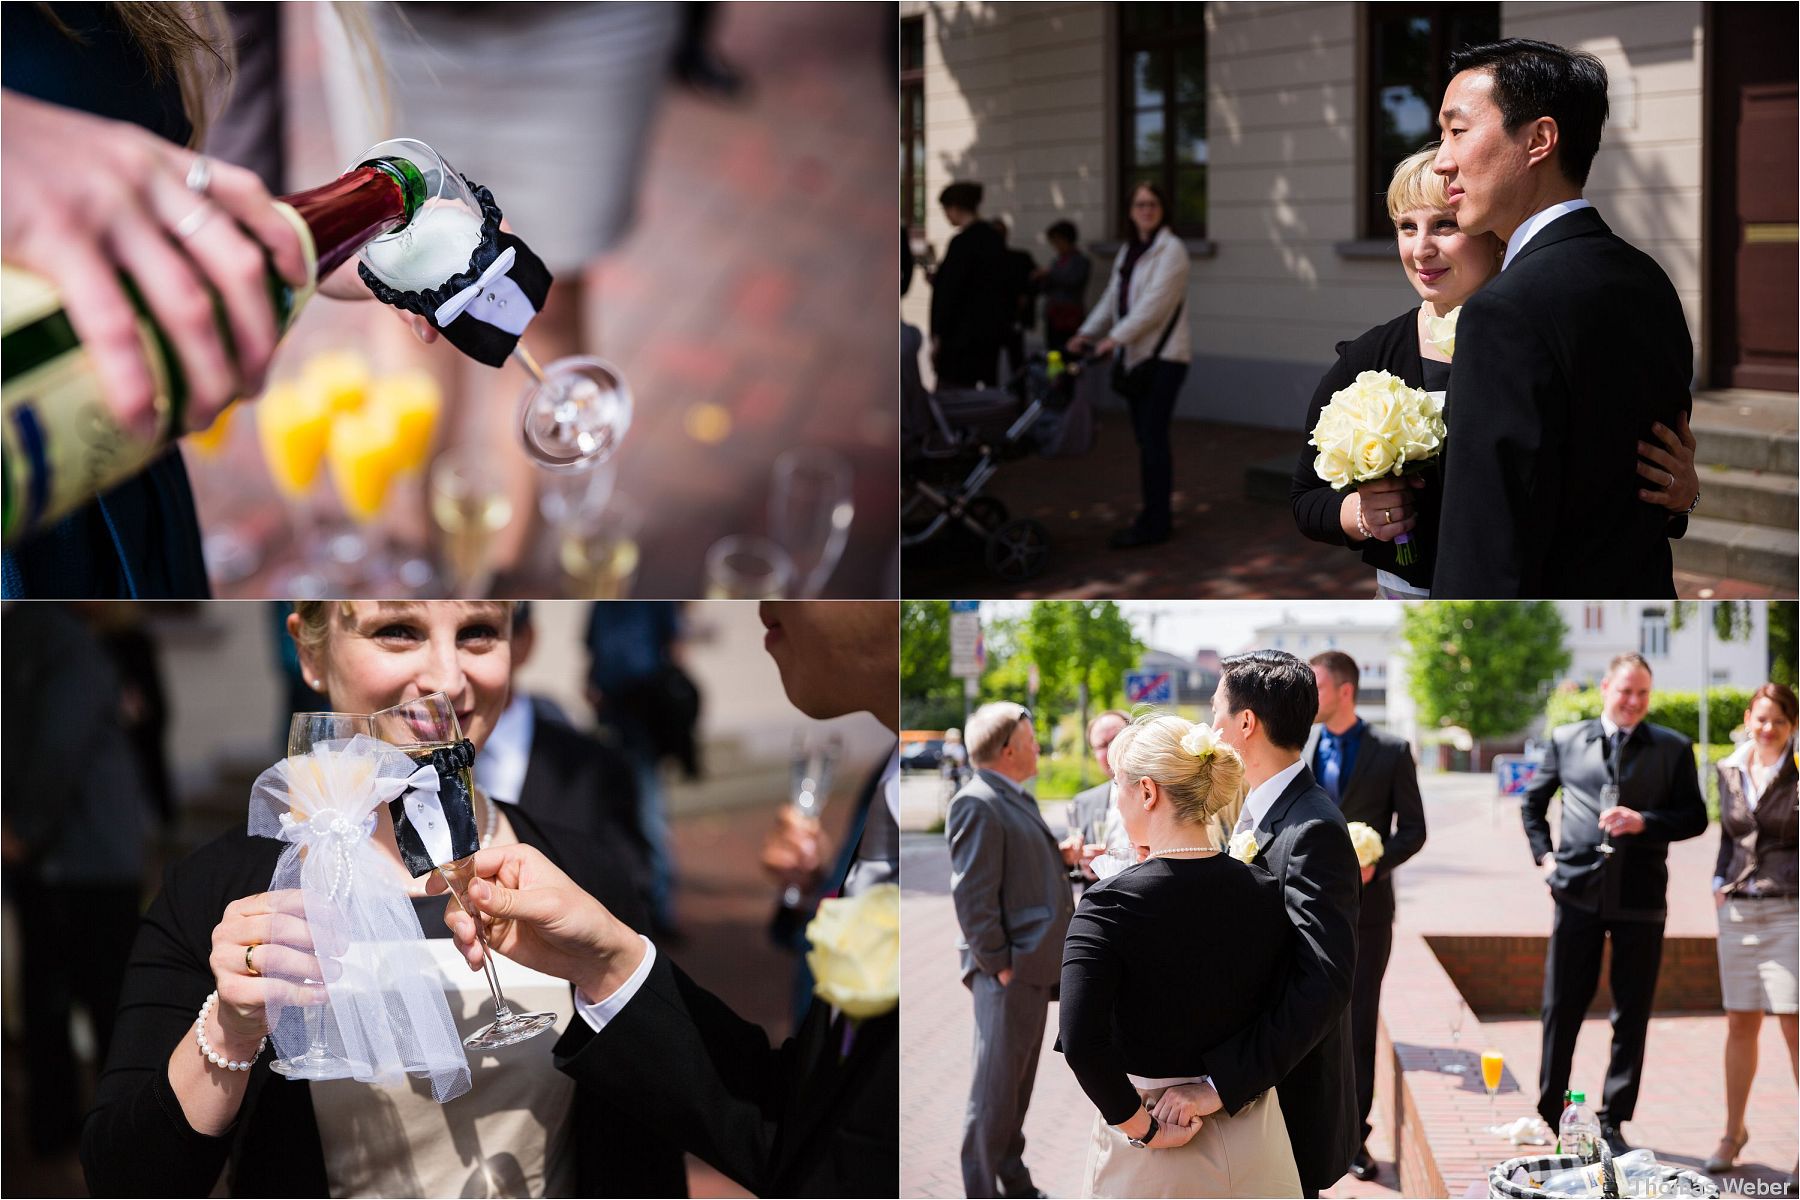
(1367,842)
(855,955)
(1243,846)
(1375,456)
(1201,741)
(1441,331)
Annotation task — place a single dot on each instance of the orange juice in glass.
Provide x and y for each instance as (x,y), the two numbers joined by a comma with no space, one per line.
(365,454)
(1493,1064)
(211,440)
(415,401)
(340,377)
(293,424)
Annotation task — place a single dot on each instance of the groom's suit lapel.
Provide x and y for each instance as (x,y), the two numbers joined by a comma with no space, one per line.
(1583,222)
(1270,825)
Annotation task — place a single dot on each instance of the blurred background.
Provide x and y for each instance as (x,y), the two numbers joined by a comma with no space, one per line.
(710,187)
(191,703)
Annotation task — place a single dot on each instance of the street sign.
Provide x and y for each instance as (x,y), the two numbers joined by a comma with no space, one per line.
(967,654)
(1514,773)
(1149,687)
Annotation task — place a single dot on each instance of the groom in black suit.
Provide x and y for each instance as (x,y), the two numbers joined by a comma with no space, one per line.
(1264,709)
(1563,359)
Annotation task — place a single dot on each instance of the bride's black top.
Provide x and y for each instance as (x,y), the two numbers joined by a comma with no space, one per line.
(137,1142)
(1162,961)
(1393,348)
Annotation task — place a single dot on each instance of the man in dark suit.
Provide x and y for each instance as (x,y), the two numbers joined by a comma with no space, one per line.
(818,1115)
(1093,807)
(1563,360)
(971,303)
(1263,709)
(1370,775)
(1629,788)
(1010,885)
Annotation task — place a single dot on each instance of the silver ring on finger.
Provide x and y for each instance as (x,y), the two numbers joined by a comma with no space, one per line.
(191,224)
(199,175)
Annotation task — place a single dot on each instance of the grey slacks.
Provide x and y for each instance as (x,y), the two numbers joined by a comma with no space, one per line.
(1009,1033)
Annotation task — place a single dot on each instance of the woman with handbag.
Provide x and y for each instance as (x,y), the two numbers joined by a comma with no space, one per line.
(1140,317)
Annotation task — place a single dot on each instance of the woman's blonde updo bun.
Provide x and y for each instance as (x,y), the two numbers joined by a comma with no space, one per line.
(1201,774)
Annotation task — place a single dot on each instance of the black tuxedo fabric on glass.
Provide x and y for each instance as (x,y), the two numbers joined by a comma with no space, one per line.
(137,1143)
(1383,793)
(799,1119)
(1301,1045)
(1562,362)
(1622,898)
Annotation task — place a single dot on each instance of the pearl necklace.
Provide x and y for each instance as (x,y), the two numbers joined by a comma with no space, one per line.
(1184,850)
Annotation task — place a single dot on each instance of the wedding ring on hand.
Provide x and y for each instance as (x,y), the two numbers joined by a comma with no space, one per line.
(191,224)
(1387,516)
(249,966)
(199,176)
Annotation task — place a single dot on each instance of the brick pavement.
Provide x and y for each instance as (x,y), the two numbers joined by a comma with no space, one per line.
(1226,545)
(1474,877)
(755,293)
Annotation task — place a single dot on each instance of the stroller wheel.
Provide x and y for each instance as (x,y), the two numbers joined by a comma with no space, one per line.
(986,512)
(1018,550)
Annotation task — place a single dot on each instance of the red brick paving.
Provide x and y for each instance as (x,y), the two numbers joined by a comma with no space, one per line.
(761,276)
(1474,876)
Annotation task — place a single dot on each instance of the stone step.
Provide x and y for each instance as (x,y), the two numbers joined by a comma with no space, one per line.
(1755,553)
(1269,479)
(1748,430)
(1751,497)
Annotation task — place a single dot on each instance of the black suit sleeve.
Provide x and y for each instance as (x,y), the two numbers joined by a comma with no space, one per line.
(1534,809)
(137,1141)
(1684,814)
(1321,888)
(1408,837)
(1507,404)
(1316,503)
(711,1080)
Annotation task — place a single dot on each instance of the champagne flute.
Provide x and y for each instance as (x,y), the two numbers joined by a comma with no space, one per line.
(814,761)
(469,504)
(810,510)
(599,550)
(575,413)
(1492,1064)
(742,567)
(418,727)
(1457,1067)
(308,731)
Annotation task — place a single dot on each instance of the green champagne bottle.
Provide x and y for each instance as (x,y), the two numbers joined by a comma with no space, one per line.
(60,445)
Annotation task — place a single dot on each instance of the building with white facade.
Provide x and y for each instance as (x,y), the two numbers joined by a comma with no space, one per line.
(1682,660)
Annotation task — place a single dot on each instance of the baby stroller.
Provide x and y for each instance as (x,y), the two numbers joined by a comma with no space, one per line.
(952,445)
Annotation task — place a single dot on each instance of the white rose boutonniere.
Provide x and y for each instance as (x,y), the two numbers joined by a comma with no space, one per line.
(855,955)
(1368,844)
(1441,331)
(1243,846)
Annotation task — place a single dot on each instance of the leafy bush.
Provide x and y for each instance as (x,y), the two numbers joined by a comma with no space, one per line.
(1059,776)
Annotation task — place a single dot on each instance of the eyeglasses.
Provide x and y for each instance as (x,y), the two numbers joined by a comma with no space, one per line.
(1024,718)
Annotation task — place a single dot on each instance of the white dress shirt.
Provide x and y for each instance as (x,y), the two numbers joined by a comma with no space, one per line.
(598,1012)
(500,767)
(1535,222)
(1263,796)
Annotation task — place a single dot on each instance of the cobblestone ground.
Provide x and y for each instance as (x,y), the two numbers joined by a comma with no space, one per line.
(1474,876)
(1226,545)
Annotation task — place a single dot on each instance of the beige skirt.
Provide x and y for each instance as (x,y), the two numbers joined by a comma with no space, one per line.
(1246,1155)
(1759,941)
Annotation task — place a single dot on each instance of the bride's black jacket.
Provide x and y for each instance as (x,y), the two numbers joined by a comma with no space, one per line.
(1394,348)
(137,1141)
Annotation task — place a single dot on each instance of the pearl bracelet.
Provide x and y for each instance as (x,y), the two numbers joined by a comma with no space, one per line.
(1362,527)
(213,1056)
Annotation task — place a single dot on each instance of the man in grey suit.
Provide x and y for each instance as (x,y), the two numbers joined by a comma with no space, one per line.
(1370,775)
(1009,882)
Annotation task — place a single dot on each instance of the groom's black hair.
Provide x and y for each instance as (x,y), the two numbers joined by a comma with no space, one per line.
(1279,688)
(1540,79)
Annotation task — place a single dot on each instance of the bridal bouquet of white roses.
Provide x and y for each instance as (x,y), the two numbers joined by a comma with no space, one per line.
(1376,427)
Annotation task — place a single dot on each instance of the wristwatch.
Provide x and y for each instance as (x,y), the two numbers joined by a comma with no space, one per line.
(1149,1134)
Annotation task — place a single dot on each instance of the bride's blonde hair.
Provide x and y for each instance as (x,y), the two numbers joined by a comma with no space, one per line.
(1200,785)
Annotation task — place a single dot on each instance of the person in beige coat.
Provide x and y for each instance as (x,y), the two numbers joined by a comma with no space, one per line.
(1142,318)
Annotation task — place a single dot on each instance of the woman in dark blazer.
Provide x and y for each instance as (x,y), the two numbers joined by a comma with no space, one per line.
(168,1122)
(1162,961)
(1445,267)
(1755,885)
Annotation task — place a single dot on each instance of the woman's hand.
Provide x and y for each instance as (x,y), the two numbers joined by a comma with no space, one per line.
(267,931)
(121,205)
(1385,505)
(1186,1103)
(1670,467)
(1171,1135)
(1078,344)
(535,915)
(1105,347)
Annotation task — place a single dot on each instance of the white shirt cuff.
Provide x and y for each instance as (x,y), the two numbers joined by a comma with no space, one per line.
(598,1012)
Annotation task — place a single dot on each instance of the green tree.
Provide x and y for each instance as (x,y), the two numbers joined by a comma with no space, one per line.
(1732,620)
(1782,651)
(930,697)
(1482,665)
(1072,642)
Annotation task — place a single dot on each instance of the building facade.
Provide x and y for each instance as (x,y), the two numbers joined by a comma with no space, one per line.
(1274,127)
